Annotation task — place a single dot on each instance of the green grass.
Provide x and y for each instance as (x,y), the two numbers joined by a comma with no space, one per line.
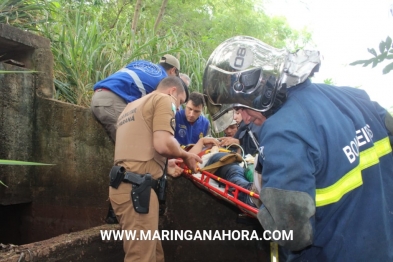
(19,163)
(85,53)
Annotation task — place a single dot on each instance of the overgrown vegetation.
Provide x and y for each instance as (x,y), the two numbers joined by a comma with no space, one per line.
(91,39)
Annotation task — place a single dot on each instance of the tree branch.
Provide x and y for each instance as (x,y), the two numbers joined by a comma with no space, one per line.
(160,14)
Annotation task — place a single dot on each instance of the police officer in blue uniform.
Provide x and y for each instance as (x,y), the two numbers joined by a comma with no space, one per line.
(325,151)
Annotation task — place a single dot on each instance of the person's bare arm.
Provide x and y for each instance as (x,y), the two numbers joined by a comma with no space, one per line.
(226,141)
(204,142)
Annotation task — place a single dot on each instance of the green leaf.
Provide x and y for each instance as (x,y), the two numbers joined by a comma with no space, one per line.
(382,46)
(21,163)
(375,62)
(389,57)
(388,43)
(368,62)
(359,62)
(382,57)
(372,51)
(16,72)
(387,68)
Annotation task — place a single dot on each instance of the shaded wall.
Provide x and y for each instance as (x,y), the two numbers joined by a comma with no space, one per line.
(20,51)
(16,133)
(72,194)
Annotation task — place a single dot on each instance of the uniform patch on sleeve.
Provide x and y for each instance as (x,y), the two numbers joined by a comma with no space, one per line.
(173,123)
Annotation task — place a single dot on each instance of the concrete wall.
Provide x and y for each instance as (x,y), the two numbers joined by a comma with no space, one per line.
(72,194)
(29,51)
(16,133)
(43,202)
(20,51)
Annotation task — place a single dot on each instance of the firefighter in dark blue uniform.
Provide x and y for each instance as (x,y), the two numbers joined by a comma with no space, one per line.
(325,151)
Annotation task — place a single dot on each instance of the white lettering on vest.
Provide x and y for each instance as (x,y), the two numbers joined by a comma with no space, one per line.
(363,136)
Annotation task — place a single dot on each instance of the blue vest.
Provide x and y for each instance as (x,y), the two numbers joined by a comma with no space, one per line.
(186,133)
(331,143)
(137,79)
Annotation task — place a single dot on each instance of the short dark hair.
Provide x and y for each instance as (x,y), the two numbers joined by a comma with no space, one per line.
(197,99)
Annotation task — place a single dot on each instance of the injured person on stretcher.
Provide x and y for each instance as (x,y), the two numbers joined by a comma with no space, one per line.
(226,165)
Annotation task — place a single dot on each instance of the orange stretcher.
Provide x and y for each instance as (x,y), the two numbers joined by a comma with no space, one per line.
(220,187)
(228,192)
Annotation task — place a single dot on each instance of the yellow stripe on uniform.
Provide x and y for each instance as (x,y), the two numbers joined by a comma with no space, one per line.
(353,178)
(274,252)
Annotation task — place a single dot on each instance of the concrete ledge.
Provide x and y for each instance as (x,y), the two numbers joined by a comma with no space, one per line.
(31,51)
(12,38)
(84,245)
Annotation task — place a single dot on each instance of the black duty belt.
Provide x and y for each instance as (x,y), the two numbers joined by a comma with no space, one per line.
(118,174)
(136,179)
(141,187)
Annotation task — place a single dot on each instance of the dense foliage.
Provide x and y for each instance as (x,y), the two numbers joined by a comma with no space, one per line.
(92,39)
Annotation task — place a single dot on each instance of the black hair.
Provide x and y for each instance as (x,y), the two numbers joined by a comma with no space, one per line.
(197,99)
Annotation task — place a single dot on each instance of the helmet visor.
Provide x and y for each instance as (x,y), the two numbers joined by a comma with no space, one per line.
(216,110)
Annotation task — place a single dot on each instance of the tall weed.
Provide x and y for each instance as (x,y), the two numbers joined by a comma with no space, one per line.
(85,52)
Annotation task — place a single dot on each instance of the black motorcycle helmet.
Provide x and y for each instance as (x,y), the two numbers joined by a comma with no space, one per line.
(244,72)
